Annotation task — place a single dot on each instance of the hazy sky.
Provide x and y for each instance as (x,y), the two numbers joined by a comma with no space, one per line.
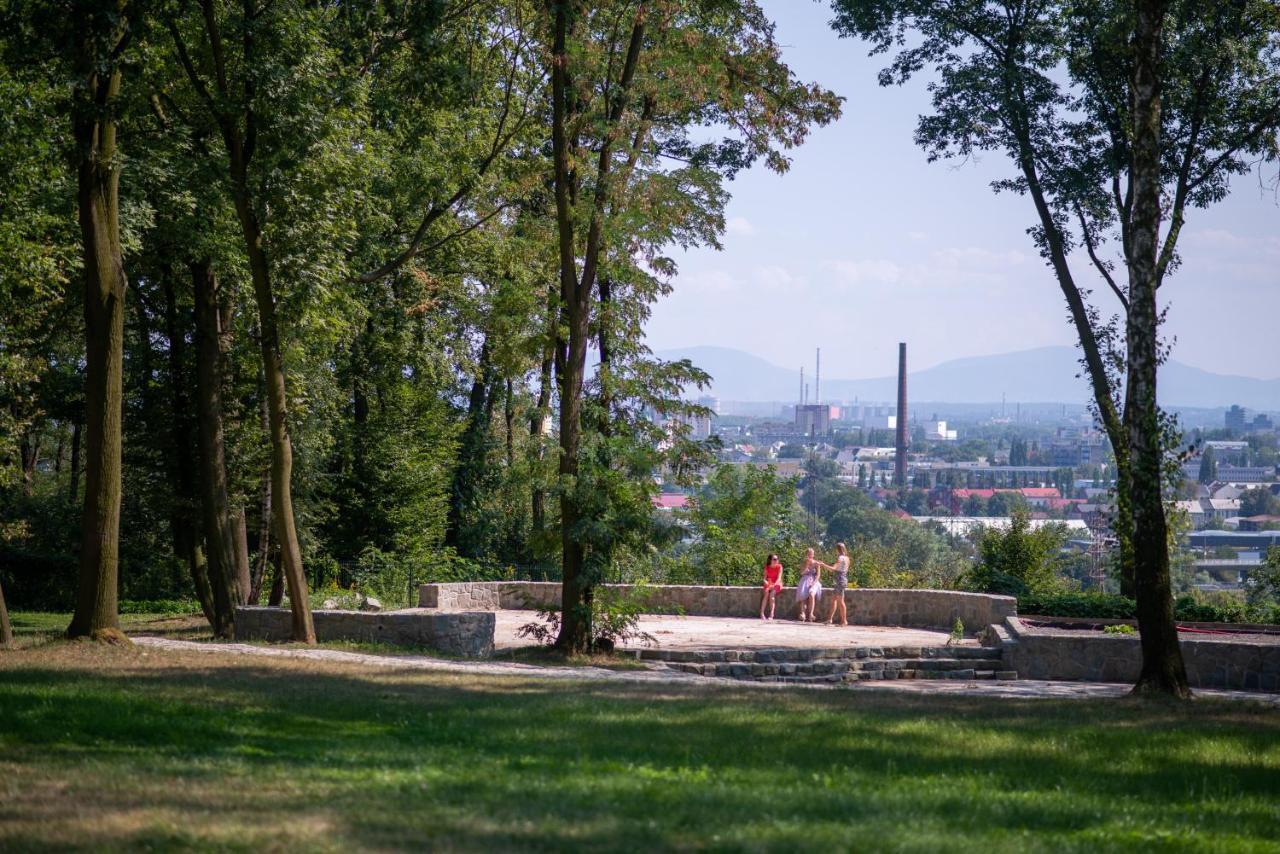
(863,244)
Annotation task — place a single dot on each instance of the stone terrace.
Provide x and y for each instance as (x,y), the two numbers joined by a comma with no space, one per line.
(709,633)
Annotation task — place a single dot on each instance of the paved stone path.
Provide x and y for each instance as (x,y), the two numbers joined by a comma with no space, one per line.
(1024,689)
(672,632)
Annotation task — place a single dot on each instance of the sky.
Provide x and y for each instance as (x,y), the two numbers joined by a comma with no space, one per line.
(863,244)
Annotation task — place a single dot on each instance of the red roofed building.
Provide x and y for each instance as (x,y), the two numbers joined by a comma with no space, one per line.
(671,501)
(1039,497)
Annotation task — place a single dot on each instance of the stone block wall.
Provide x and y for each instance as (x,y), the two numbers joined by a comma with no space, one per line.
(465,633)
(1247,665)
(871,606)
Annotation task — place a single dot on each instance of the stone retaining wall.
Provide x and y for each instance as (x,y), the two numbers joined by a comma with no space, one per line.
(465,633)
(871,606)
(1252,665)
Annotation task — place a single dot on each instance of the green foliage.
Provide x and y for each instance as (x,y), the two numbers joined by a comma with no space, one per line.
(1264,582)
(1018,560)
(1197,608)
(1101,605)
(1119,629)
(741,515)
(615,619)
(1259,501)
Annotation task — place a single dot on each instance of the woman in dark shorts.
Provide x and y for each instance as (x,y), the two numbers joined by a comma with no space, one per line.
(840,571)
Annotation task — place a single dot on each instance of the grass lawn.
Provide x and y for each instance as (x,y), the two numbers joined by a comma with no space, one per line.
(108,748)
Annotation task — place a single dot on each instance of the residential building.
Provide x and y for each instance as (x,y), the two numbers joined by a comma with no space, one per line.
(1246,474)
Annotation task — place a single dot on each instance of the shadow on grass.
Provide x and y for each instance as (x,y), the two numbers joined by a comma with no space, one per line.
(396,759)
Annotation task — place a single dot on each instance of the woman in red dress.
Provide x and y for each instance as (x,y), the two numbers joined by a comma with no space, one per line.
(772,586)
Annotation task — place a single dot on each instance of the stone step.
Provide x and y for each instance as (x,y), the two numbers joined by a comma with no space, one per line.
(789,654)
(850,671)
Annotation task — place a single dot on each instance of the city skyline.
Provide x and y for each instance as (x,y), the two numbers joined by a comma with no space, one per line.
(936,258)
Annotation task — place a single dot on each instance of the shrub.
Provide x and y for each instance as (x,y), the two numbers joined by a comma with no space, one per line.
(1120,629)
(615,618)
(1018,560)
(176,607)
(1198,608)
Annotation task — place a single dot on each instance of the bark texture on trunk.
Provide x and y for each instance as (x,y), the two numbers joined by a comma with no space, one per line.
(1163,670)
(98,199)
(215,507)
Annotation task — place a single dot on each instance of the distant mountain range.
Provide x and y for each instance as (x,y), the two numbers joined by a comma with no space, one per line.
(1042,375)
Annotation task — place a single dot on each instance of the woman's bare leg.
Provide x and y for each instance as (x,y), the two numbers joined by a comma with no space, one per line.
(773,602)
(764,598)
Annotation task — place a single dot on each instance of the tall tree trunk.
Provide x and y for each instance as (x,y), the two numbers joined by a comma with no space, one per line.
(6,630)
(184,520)
(215,506)
(243,574)
(240,136)
(262,552)
(281,445)
(276,596)
(30,452)
(576,291)
(98,199)
(1163,670)
(73,488)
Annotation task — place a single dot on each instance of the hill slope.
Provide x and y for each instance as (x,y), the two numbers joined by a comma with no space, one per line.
(1042,375)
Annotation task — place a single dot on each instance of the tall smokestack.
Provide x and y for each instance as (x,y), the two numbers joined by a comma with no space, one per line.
(817,377)
(900,446)
(802,385)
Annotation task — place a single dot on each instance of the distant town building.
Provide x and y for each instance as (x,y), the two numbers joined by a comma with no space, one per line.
(1235,418)
(710,402)
(814,419)
(1246,474)
(936,431)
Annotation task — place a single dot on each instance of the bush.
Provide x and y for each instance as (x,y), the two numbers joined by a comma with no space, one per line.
(1019,560)
(615,618)
(1106,606)
(175,607)
(1201,608)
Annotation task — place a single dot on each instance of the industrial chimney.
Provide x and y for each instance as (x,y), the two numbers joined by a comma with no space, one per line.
(817,377)
(900,445)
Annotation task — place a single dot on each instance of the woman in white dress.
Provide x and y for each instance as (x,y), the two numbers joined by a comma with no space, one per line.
(809,588)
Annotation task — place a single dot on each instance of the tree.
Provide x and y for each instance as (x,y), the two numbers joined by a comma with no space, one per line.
(261,130)
(1208,466)
(1102,106)
(1018,561)
(101,38)
(627,80)
(1259,501)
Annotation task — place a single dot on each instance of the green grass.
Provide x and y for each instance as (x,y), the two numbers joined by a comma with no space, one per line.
(37,628)
(114,749)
